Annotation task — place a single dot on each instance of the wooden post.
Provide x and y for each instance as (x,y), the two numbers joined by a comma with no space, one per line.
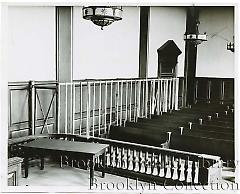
(143,44)
(190,58)
(64,63)
(32,107)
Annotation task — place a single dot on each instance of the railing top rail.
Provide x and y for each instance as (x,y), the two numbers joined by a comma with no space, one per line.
(47,82)
(124,79)
(35,83)
(211,78)
(164,150)
(53,82)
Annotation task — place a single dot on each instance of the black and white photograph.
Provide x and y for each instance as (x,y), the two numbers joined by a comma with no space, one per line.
(128,97)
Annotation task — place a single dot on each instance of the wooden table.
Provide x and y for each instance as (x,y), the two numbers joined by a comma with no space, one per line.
(43,147)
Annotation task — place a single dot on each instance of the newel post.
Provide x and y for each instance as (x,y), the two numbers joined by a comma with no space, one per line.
(32,107)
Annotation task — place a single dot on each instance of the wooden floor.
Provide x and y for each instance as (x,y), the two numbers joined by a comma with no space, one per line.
(53,175)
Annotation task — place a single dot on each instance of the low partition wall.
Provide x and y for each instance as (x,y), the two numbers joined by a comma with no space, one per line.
(210,90)
(149,163)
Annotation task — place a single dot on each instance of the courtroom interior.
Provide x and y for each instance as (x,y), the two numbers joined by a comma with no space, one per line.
(116,93)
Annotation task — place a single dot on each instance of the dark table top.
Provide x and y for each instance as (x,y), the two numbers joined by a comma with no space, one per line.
(64,145)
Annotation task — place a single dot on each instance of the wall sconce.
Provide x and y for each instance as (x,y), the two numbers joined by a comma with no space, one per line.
(196,38)
(102,15)
(230,46)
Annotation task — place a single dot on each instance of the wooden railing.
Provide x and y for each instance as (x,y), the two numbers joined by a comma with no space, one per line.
(86,107)
(209,90)
(159,165)
(32,108)
(219,90)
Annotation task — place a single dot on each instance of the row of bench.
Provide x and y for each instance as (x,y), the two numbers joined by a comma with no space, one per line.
(203,128)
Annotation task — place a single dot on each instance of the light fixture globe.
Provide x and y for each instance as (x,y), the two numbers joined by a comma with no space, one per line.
(196,38)
(102,15)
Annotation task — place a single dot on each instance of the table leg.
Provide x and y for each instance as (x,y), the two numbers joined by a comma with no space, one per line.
(60,162)
(103,164)
(91,171)
(42,163)
(25,161)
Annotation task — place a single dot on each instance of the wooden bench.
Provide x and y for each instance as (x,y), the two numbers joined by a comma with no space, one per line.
(196,126)
(151,127)
(138,135)
(220,147)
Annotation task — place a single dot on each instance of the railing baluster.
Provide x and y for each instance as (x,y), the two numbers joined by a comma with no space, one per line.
(108,157)
(142,162)
(117,101)
(130,160)
(154,98)
(162,165)
(166,96)
(148,164)
(139,99)
(146,99)
(126,103)
(169,94)
(99,108)
(130,101)
(121,104)
(73,109)
(161,96)
(105,108)
(154,164)
(135,101)
(111,102)
(81,108)
(124,159)
(66,111)
(175,169)
(168,166)
(151,102)
(94,103)
(143,98)
(173,93)
(182,170)
(189,171)
(58,108)
(88,110)
(136,161)
(158,97)
(196,173)
(118,158)
(113,159)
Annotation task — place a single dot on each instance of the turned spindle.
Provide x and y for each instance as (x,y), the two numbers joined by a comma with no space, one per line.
(168,166)
(182,170)
(190,125)
(175,169)
(181,130)
(189,171)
